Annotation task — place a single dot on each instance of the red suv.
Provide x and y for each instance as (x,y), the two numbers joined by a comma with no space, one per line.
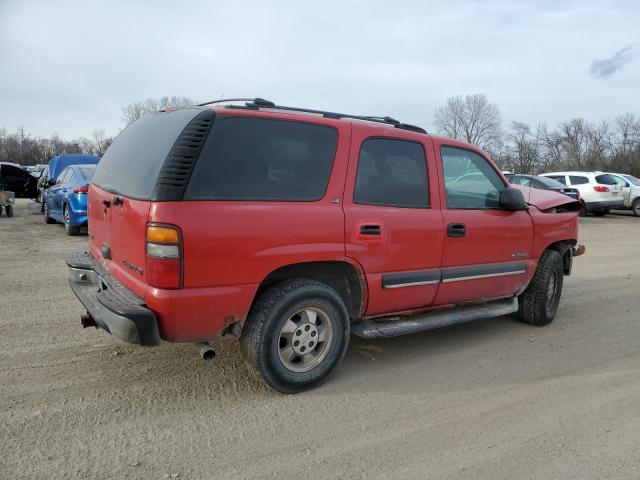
(295,228)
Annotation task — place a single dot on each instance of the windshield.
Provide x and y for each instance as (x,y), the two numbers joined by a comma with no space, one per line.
(632,179)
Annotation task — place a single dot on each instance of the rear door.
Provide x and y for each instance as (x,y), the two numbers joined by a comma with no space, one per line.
(486,249)
(393,224)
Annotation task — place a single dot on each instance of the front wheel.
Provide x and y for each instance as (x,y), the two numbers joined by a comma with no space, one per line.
(296,334)
(539,302)
(45,212)
(635,207)
(9,210)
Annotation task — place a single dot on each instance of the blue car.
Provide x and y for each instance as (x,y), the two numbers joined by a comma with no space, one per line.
(66,200)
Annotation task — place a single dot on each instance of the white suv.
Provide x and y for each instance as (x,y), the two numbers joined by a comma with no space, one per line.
(630,192)
(599,191)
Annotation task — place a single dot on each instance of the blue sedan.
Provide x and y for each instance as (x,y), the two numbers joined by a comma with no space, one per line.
(66,200)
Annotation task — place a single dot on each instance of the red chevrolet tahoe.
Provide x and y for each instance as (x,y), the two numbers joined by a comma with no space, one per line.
(295,228)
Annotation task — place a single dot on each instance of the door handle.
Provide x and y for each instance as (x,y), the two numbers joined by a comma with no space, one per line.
(106,203)
(370,230)
(456,230)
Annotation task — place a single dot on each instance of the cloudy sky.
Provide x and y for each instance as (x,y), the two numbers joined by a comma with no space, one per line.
(70,67)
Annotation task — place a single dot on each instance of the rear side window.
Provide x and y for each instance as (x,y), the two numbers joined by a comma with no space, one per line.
(578,180)
(132,163)
(265,160)
(392,173)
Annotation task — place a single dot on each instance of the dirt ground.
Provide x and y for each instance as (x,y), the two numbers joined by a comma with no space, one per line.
(494,399)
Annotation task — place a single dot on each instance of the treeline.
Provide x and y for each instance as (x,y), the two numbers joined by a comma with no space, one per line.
(575,144)
(23,148)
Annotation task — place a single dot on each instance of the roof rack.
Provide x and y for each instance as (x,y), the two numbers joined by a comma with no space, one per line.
(258,103)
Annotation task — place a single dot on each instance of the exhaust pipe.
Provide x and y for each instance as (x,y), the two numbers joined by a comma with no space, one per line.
(206,351)
(88,321)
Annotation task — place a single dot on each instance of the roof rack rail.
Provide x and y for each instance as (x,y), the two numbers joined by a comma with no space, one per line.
(257,103)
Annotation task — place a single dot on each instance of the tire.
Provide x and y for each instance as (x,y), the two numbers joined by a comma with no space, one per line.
(635,207)
(583,209)
(285,312)
(537,305)
(9,210)
(45,212)
(0,210)
(70,229)
(600,213)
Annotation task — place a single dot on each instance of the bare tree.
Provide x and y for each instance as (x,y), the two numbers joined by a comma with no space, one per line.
(136,110)
(471,118)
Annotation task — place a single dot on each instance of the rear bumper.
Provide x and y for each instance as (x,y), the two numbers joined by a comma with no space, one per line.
(591,206)
(113,307)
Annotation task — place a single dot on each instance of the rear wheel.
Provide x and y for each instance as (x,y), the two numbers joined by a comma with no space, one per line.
(296,334)
(583,209)
(600,213)
(45,212)
(635,207)
(539,302)
(9,210)
(71,230)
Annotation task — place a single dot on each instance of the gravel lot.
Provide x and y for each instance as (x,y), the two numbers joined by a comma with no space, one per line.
(494,399)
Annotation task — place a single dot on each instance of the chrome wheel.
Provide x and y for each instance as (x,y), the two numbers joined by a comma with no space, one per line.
(305,339)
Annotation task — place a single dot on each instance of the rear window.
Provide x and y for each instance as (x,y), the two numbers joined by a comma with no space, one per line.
(606,179)
(577,180)
(558,178)
(263,159)
(87,172)
(131,165)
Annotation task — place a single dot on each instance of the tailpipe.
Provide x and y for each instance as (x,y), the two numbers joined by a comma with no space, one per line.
(206,351)
(88,321)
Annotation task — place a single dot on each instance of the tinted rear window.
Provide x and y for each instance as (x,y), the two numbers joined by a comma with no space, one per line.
(87,172)
(131,165)
(558,178)
(263,159)
(550,182)
(607,179)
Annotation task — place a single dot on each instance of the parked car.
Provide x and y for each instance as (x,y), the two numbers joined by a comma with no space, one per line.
(543,183)
(18,180)
(35,170)
(294,228)
(630,192)
(66,200)
(599,191)
(58,164)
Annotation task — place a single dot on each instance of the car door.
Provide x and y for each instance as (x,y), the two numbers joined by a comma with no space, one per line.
(393,223)
(56,193)
(486,248)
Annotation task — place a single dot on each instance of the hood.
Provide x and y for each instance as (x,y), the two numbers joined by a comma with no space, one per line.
(59,163)
(546,199)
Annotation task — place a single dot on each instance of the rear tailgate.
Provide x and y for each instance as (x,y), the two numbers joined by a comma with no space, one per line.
(117,236)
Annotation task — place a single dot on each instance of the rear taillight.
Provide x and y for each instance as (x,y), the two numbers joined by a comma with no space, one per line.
(600,188)
(81,189)
(164,256)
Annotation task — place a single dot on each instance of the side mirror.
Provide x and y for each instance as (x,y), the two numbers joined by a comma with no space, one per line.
(512,199)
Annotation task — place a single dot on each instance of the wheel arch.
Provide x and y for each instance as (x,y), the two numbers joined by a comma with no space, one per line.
(563,247)
(343,276)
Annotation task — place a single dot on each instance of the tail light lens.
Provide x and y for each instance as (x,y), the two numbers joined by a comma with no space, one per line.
(600,188)
(164,256)
(81,189)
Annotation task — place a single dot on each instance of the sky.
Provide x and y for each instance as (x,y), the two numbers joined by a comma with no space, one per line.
(69,67)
